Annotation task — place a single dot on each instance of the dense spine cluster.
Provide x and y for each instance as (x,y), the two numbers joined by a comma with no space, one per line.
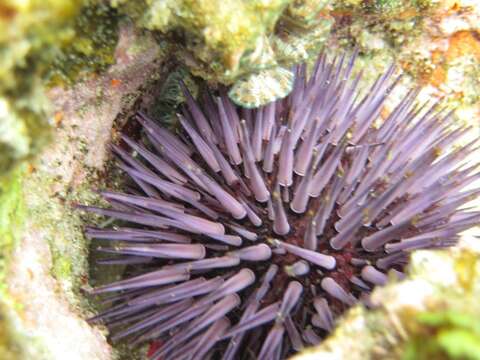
(254,229)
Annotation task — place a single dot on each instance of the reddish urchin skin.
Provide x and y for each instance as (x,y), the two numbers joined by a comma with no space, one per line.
(250,231)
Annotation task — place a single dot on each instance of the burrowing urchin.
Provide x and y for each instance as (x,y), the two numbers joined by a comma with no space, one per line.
(251,230)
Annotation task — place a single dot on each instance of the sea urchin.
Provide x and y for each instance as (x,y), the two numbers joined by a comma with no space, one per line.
(256,228)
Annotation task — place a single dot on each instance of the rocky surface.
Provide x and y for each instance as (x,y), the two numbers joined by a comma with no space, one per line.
(43,254)
(49,263)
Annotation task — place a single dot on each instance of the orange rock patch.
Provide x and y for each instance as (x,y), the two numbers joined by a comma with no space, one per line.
(460,44)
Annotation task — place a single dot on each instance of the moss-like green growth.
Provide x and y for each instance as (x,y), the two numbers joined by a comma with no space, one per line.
(381,25)
(45,43)
(220,36)
(447,334)
(12,211)
(91,47)
(27,32)
(40,41)
(10,349)
(47,211)
(449,328)
(433,314)
(170,95)
(11,216)
(235,41)
(384,7)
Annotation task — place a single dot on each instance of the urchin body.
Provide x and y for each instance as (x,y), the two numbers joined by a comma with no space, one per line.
(253,229)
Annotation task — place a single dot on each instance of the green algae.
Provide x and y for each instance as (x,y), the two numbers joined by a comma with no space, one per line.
(221,36)
(382,26)
(13,343)
(449,327)
(230,42)
(61,177)
(12,214)
(9,345)
(26,204)
(92,46)
(448,334)
(45,42)
(63,233)
(51,43)
(432,314)
(11,219)
(381,29)
(383,7)
(27,32)
(169,96)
